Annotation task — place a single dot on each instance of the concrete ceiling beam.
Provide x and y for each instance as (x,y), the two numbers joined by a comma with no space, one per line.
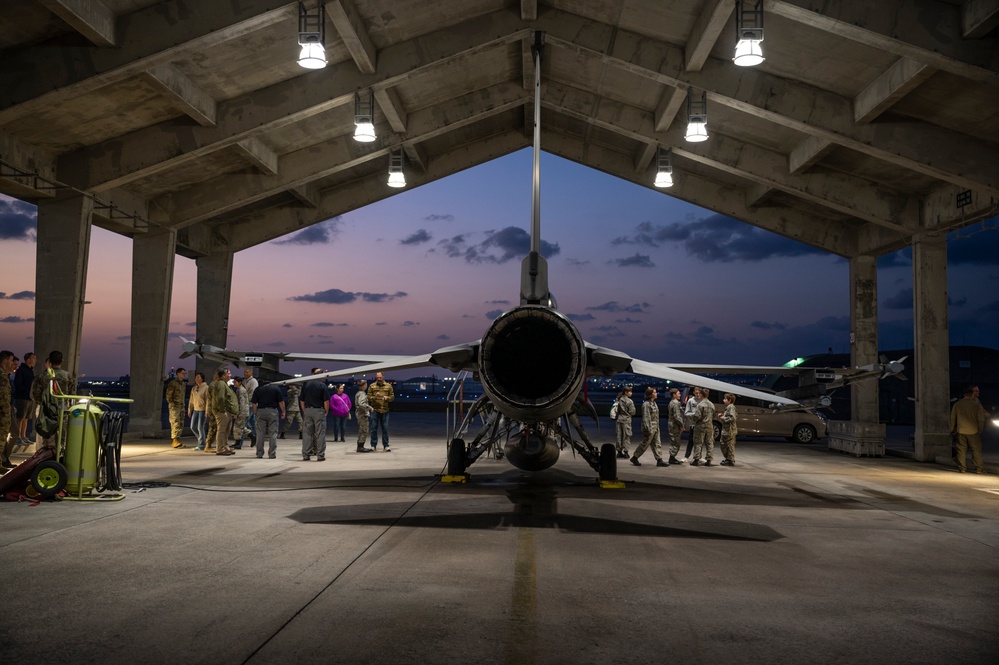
(90,18)
(230,192)
(839,237)
(933,151)
(37,78)
(669,106)
(392,108)
(842,193)
(26,169)
(259,155)
(308,194)
(705,33)
(899,27)
(169,145)
(267,225)
(756,194)
(528,10)
(643,156)
(901,78)
(979,18)
(415,155)
(355,37)
(183,93)
(807,153)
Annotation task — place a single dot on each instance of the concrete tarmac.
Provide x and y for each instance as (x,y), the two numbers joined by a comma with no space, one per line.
(796,555)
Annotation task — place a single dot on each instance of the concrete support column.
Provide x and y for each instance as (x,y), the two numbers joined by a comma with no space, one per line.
(153,258)
(932,348)
(62,252)
(864,335)
(214,289)
(864,435)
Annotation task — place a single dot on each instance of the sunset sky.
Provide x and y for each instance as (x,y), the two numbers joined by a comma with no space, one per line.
(636,270)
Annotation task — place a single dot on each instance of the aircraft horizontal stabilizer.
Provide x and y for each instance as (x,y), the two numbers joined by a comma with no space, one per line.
(339,357)
(403,362)
(667,372)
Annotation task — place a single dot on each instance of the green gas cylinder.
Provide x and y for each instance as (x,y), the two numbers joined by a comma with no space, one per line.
(82,447)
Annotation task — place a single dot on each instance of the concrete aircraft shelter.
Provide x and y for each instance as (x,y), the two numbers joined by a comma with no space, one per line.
(190,127)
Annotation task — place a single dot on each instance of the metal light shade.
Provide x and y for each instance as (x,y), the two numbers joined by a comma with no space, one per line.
(748,53)
(396,179)
(396,176)
(697,129)
(663,179)
(313,55)
(364,131)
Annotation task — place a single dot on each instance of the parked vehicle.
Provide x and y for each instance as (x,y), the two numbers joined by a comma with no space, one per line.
(757,418)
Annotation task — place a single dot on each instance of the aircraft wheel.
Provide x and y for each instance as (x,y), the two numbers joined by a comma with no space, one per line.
(49,478)
(608,462)
(803,434)
(456,457)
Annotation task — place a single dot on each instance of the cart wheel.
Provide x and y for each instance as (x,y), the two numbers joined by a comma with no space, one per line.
(49,478)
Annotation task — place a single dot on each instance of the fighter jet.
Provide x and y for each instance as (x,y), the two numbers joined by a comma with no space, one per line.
(532,362)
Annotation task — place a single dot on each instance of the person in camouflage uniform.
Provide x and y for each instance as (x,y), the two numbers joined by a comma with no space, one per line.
(6,404)
(211,432)
(176,391)
(704,430)
(625,412)
(64,384)
(650,429)
(363,411)
(729,430)
(293,413)
(244,411)
(674,421)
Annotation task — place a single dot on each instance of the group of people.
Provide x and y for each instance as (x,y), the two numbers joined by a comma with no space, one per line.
(19,400)
(698,414)
(244,407)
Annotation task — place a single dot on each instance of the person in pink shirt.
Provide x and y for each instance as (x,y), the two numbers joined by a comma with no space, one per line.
(340,410)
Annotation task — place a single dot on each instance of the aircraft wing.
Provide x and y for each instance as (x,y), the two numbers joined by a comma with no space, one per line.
(670,373)
(454,358)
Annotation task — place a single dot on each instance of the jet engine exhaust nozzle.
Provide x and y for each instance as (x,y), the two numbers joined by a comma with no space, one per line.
(532,363)
(532,452)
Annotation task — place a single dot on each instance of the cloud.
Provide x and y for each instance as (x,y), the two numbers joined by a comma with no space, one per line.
(580,317)
(20,295)
(615,306)
(901,300)
(327,324)
(322,233)
(338,297)
(718,238)
(900,259)
(493,313)
(407,324)
(498,247)
(15,319)
(576,263)
(763,325)
(497,302)
(18,220)
(705,330)
(439,218)
(453,246)
(382,323)
(191,324)
(957,302)
(416,238)
(605,329)
(627,319)
(634,261)
(287,325)
(443,337)
(276,344)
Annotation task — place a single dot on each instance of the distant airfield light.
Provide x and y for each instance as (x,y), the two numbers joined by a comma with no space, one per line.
(794,363)
(749,33)
(312,36)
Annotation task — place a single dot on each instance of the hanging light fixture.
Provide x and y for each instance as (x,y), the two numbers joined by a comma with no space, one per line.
(697,118)
(312,36)
(396,177)
(364,117)
(664,167)
(749,33)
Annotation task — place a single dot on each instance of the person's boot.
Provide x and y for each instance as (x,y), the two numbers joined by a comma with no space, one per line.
(281,435)
(177,444)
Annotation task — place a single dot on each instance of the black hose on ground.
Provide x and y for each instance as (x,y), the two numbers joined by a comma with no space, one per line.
(109,458)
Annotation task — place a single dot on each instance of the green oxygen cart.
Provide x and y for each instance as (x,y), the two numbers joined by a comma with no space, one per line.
(90,445)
